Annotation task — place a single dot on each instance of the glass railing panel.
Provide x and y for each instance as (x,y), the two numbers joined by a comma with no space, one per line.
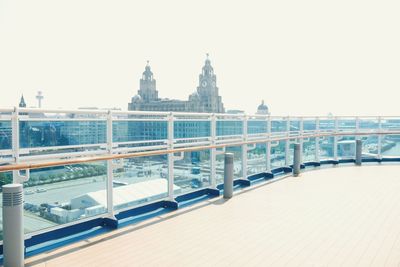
(309,149)
(256,159)
(61,133)
(346,147)
(278,126)
(370,146)
(346,124)
(390,146)
(192,129)
(294,125)
(257,126)
(192,172)
(327,124)
(5,178)
(391,124)
(326,145)
(131,131)
(5,135)
(237,163)
(278,154)
(64,194)
(140,180)
(368,123)
(142,129)
(309,125)
(229,127)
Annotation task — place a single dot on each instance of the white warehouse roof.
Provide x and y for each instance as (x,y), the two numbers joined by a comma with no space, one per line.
(125,195)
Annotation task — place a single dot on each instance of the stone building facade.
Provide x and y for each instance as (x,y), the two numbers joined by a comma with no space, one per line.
(205,99)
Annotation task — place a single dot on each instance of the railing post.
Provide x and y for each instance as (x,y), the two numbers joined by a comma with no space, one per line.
(357,127)
(15,141)
(335,140)
(357,124)
(213,156)
(317,157)
(110,167)
(268,144)
(228,175)
(296,159)
(171,156)
(380,137)
(301,141)
(244,148)
(287,143)
(358,152)
(358,141)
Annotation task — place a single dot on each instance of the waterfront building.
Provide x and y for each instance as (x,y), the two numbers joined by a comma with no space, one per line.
(61,133)
(5,134)
(205,99)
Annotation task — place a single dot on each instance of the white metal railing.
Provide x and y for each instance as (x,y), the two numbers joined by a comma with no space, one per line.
(228,134)
(35,139)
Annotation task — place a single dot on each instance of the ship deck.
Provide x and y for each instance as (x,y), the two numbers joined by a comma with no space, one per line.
(342,216)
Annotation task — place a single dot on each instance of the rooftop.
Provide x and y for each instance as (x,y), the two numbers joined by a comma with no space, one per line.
(347,216)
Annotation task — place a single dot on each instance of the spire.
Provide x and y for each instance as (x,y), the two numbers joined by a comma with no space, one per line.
(22,103)
(208,69)
(208,62)
(147,74)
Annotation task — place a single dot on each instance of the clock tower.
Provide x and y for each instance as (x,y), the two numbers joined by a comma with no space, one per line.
(148,91)
(210,101)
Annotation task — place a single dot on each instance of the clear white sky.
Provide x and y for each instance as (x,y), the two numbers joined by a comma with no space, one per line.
(302,57)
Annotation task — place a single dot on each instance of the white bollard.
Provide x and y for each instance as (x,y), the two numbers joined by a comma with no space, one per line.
(228,175)
(358,152)
(13,230)
(296,160)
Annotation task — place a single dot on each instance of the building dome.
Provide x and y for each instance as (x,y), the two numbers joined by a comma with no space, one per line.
(194,97)
(262,109)
(136,98)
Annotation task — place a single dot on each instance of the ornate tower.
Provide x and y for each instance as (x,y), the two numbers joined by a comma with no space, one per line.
(22,103)
(208,90)
(147,89)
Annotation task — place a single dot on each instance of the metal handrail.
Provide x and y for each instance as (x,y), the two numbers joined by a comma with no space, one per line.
(24,166)
(165,113)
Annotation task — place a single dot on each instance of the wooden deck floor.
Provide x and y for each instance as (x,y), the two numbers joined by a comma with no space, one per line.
(345,216)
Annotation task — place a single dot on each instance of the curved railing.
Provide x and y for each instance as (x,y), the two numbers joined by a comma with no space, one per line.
(81,165)
(158,152)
